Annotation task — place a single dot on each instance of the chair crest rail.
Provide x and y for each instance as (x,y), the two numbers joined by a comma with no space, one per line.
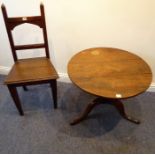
(13,22)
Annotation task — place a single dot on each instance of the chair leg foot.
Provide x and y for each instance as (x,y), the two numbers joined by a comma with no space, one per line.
(53,85)
(15,97)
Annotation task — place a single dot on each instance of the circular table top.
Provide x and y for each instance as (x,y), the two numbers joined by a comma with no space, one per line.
(110,72)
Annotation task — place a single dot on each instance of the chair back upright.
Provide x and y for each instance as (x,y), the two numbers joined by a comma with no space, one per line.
(12,22)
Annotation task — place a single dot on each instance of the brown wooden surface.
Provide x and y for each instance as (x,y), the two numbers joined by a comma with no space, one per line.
(33,69)
(109,72)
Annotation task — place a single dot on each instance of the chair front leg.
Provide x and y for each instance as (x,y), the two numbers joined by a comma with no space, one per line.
(15,97)
(53,85)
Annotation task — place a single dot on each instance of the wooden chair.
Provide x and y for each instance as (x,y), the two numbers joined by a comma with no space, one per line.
(31,70)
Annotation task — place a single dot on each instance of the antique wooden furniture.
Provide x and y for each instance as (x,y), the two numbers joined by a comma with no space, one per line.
(111,74)
(32,70)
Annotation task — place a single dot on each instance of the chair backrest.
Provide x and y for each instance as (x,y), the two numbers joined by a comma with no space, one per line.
(12,22)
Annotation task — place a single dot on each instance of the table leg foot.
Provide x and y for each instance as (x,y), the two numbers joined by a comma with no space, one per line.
(120,107)
(84,114)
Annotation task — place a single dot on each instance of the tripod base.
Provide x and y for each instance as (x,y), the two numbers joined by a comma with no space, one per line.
(115,102)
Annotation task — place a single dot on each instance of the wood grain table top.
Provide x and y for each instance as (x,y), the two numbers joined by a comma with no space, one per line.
(110,72)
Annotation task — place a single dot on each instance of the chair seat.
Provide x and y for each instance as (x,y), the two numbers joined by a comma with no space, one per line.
(31,70)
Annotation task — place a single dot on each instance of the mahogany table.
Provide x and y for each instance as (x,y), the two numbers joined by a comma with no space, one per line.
(111,74)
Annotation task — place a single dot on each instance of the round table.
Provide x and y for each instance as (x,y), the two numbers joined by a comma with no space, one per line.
(111,74)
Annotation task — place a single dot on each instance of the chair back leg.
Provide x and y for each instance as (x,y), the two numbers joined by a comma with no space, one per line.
(53,85)
(25,88)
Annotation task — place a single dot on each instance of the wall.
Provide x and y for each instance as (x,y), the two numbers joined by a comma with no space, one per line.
(74,25)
